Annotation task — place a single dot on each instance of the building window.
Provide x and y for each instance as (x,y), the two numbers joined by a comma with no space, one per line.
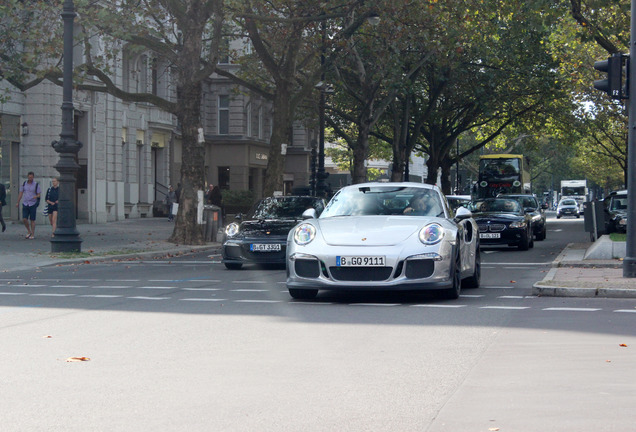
(224,178)
(248,120)
(224,114)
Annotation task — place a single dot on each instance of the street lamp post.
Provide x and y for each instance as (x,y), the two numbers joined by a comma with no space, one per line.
(66,237)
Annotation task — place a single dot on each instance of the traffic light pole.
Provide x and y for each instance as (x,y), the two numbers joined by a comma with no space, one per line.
(629,263)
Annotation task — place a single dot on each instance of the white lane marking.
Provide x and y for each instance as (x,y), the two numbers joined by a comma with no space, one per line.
(472,295)
(184,280)
(69,286)
(517,264)
(309,303)
(148,298)
(257,301)
(511,297)
(157,287)
(10,293)
(505,307)
(202,300)
(29,285)
(79,280)
(567,309)
(439,306)
(176,262)
(201,289)
(52,295)
(101,296)
(122,280)
(112,286)
(249,282)
(375,304)
(248,290)
(625,310)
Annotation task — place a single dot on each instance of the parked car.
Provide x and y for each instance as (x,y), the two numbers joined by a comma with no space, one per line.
(615,207)
(528,201)
(384,236)
(457,201)
(502,221)
(261,235)
(567,207)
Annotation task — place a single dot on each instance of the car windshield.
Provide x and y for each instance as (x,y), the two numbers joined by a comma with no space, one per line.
(284,207)
(497,205)
(568,202)
(385,200)
(618,204)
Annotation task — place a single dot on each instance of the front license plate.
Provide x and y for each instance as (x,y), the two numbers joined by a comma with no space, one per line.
(489,235)
(267,247)
(360,261)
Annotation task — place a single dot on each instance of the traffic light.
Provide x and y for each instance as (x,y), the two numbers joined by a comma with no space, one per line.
(613,84)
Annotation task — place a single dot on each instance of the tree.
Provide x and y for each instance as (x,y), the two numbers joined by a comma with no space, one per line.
(184,35)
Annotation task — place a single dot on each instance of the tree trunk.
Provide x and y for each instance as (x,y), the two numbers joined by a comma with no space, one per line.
(281,126)
(360,153)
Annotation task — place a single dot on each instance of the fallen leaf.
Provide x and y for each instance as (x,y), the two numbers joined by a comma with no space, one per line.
(513,281)
(47,337)
(608,361)
(623,345)
(77,359)
(493,429)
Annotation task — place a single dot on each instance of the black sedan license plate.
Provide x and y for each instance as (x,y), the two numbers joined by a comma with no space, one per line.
(360,261)
(490,235)
(267,247)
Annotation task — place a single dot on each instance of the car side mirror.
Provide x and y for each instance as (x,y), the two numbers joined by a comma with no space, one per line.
(310,213)
(463,213)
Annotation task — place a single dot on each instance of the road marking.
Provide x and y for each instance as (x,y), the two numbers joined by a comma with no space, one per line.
(248,290)
(148,298)
(69,286)
(439,306)
(51,295)
(374,304)
(625,310)
(123,280)
(472,295)
(202,300)
(567,309)
(201,289)
(511,297)
(101,296)
(10,293)
(249,282)
(257,301)
(157,287)
(520,265)
(185,280)
(112,286)
(505,307)
(309,303)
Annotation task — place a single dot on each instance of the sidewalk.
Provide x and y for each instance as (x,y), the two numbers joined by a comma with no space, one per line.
(145,238)
(574,276)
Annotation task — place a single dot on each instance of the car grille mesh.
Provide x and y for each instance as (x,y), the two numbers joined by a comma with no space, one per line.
(361,274)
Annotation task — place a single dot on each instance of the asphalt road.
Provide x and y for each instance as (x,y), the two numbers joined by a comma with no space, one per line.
(188,345)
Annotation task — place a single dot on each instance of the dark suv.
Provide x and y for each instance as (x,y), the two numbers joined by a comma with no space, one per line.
(531,205)
(615,207)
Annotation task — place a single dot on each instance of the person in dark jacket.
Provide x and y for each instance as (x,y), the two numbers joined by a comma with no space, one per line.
(52,197)
(3,202)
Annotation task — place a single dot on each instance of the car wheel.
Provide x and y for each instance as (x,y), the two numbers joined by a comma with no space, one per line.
(524,244)
(530,240)
(558,216)
(303,294)
(452,293)
(233,266)
(474,280)
(578,216)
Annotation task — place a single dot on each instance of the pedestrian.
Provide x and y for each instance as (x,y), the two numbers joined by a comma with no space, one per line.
(3,202)
(52,197)
(170,200)
(178,192)
(215,198)
(30,197)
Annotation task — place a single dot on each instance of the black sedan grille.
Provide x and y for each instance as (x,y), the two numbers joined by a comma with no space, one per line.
(361,274)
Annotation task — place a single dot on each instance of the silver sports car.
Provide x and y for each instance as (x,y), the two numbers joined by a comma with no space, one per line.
(384,236)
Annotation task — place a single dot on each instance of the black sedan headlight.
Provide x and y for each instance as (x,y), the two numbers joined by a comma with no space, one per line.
(518,224)
(232,229)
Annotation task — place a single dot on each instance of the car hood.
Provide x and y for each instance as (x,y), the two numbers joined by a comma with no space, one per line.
(268,227)
(371,230)
(496,217)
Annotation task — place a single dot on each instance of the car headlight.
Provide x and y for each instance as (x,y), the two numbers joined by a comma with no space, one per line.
(432,234)
(232,229)
(519,224)
(304,234)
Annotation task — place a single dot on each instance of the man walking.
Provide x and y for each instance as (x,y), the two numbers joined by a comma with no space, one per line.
(30,196)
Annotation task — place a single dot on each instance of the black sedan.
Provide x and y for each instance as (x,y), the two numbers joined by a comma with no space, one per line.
(530,202)
(260,236)
(502,221)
